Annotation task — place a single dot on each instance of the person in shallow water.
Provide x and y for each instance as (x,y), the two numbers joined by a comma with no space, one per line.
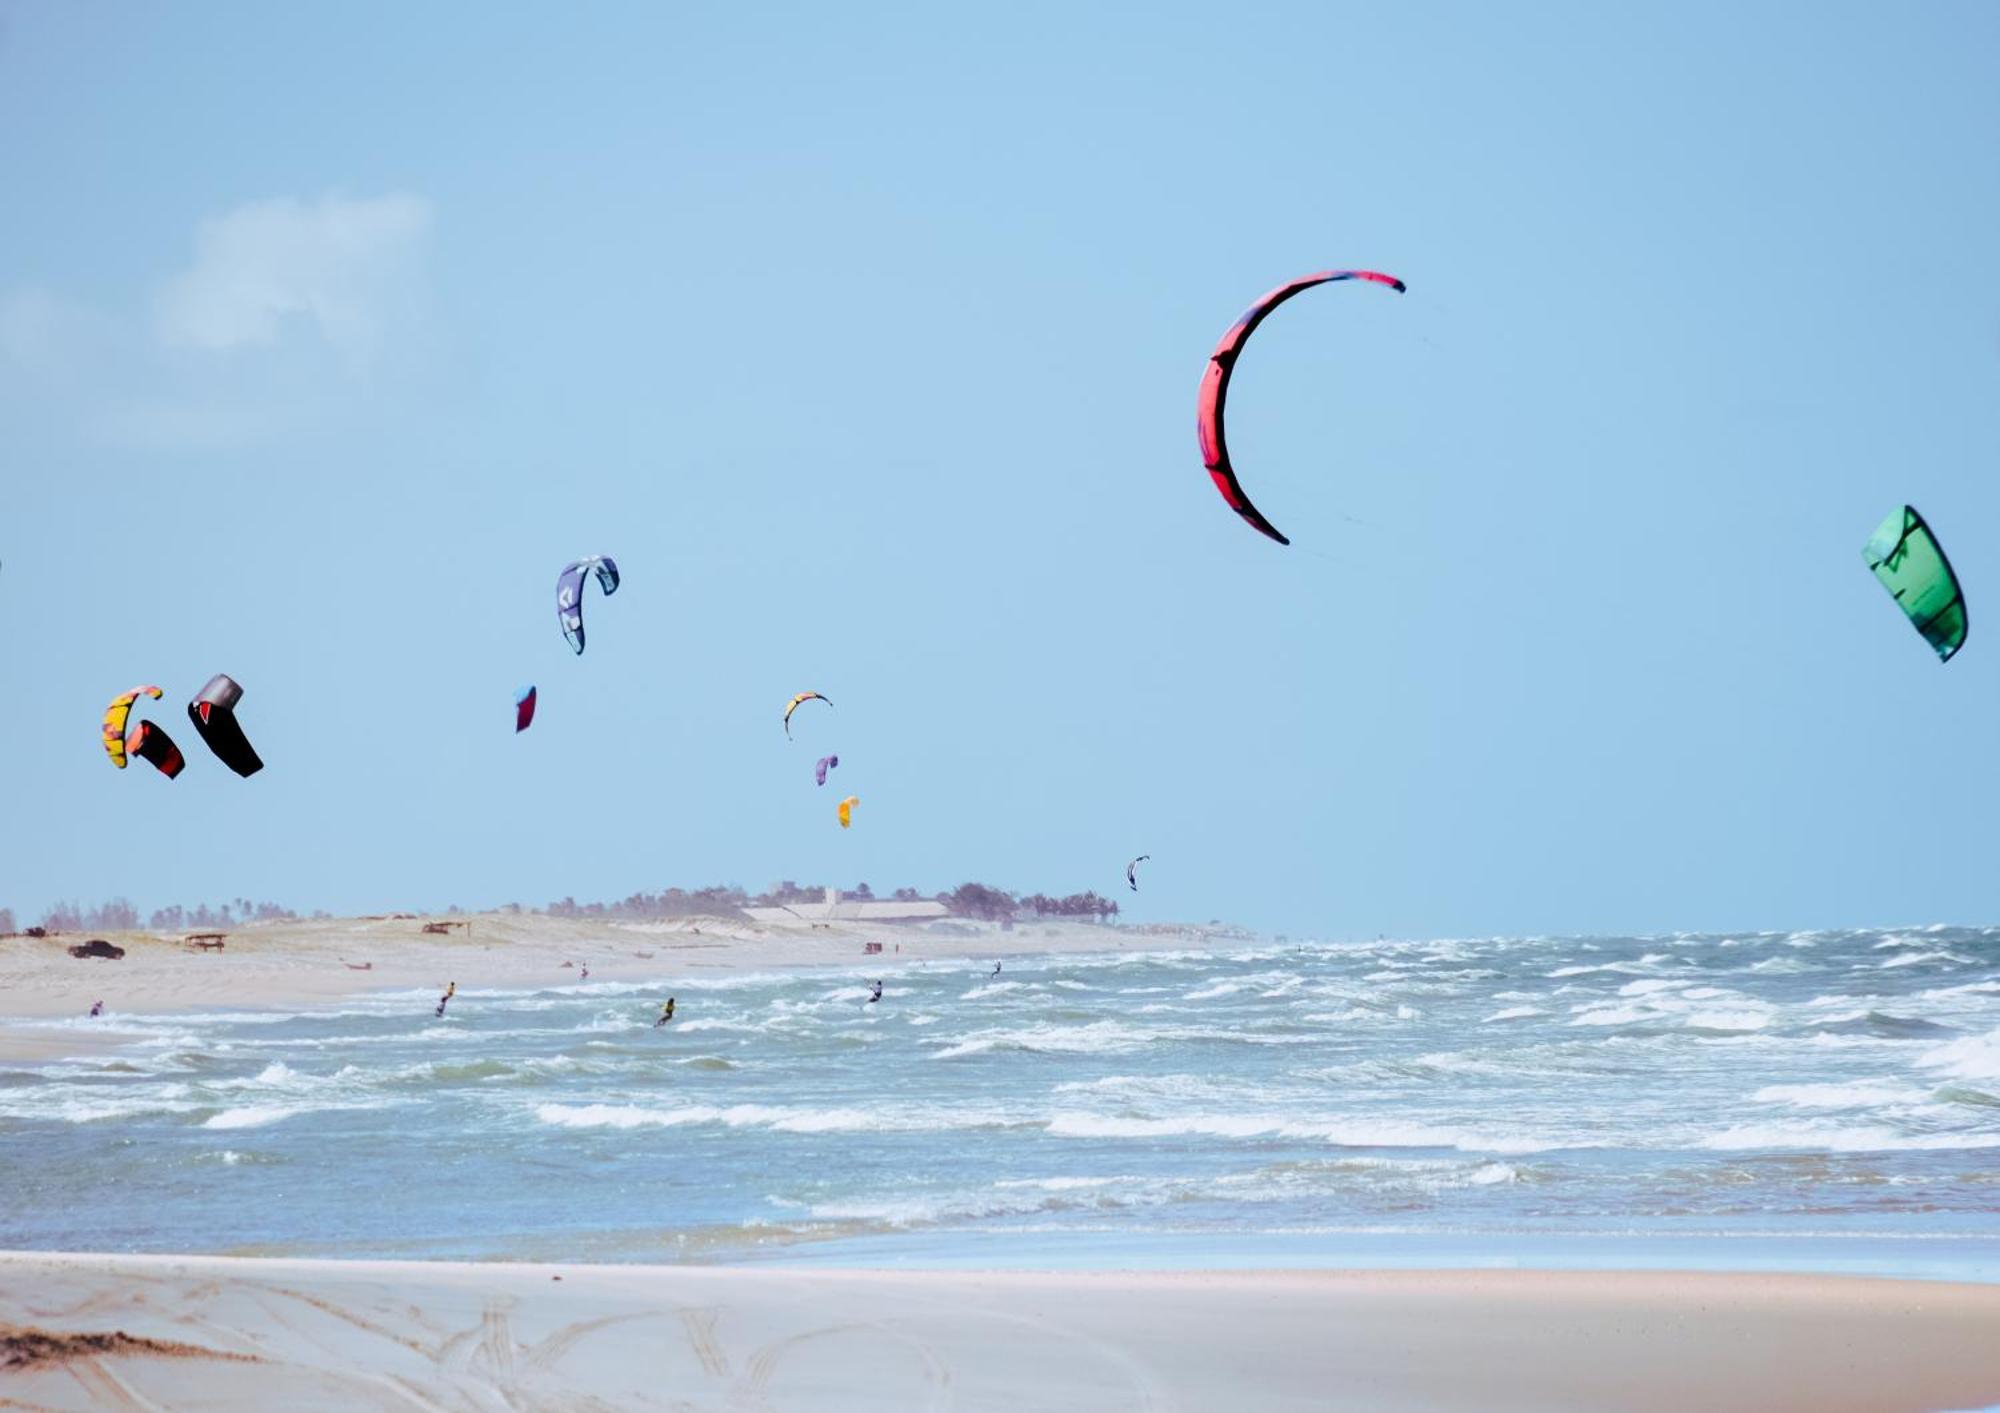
(878,994)
(450,990)
(996,968)
(97,1008)
(666,1013)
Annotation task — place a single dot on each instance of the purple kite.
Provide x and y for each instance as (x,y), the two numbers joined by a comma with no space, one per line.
(569,593)
(826,763)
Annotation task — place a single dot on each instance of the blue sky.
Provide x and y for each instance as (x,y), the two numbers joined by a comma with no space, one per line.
(867,339)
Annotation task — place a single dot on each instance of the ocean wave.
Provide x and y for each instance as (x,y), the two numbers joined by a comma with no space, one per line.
(1649,985)
(1162,1091)
(1348,1133)
(1737,1013)
(779,1118)
(59,1105)
(1065,1184)
(1856,1094)
(1851,1139)
(690,1027)
(1974,1057)
(252,1116)
(1879,1024)
(1097,1038)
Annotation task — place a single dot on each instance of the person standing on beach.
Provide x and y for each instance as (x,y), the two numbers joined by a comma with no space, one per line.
(450,990)
(584,975)
(666,1013)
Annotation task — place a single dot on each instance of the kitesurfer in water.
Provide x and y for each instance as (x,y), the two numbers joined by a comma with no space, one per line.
(878,994)
(450,990)
(666,1013)
(97,1008)
(996,968)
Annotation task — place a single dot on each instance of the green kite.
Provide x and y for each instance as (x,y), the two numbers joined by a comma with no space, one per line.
(1909,561)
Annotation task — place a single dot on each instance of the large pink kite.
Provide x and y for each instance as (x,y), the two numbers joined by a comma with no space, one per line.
(1215,387)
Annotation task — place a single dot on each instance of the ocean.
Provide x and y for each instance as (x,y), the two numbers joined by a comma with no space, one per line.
(1821,1100)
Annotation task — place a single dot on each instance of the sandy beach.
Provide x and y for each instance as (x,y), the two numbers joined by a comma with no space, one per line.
(225,1333)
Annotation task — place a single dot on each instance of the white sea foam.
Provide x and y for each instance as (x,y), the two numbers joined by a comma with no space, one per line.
(779,1118)
(1611,1015)
(1065,1184)
(1974,1057)
(1354,1132)
(1096,1038)
(253,1116)
(1860,1138)
(1857,1094)
(86,1107)
(708,1023)
(1515,1013)
(1744,1017)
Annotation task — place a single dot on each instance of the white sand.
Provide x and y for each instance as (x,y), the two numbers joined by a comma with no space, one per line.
(432,1335)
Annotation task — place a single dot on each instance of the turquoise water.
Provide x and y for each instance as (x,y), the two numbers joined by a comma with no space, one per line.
(1807,1101)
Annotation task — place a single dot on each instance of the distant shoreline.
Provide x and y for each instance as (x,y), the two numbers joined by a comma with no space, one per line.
(307,961)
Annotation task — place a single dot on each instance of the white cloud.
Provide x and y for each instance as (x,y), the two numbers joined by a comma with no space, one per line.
(339,267)
(294,317)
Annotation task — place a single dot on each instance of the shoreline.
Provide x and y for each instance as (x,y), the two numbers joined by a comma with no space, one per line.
(185,1331)
(313,961)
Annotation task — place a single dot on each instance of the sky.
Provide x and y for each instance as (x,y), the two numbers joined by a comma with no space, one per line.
(866,339)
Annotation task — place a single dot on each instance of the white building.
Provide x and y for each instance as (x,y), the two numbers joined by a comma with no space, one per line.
(834,909)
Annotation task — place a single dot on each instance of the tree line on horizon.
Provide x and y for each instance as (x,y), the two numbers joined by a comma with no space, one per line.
(118,915)
(974,900)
